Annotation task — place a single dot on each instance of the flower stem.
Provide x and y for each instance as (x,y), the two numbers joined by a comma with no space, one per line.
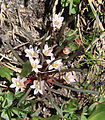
(24,97)
(74,89)
(15,54)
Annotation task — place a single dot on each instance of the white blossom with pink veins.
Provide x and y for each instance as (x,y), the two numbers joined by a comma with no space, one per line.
(38,86)
(69,77)
(57,21)
(31,52)
(47,51)
(18,83)
(35,65)
(55,65)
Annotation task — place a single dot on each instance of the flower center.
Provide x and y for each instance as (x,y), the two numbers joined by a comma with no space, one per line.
(37,86)
(18,83)
(34,65)
(67,77)
(32,54)
(56,22)
(46,52)
(54,64)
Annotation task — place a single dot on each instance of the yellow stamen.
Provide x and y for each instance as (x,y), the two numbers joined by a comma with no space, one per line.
(32,54)
(46,52)
(54,64)
(37,86)
(34,65)
(56,22)
(18,83)
(67,77)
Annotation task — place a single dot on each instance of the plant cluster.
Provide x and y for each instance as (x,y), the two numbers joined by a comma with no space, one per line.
(64,62)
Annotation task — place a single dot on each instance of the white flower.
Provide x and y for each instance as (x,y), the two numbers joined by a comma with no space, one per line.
(47,51)
(38,86)
(55,65)
(57,21)
(66,51)
(69,77)
(35,65)
(18,83)
(31,52)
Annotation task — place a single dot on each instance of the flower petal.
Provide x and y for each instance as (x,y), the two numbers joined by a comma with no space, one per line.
(35,91)
(40,91)
(35,69)
(32,86)
(39,66)
(50,67)
(46,47)
(12,86)
(17,89)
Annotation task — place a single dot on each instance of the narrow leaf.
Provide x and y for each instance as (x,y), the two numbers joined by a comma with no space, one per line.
(70,7)
(64,3)
(27,69)
(55,117)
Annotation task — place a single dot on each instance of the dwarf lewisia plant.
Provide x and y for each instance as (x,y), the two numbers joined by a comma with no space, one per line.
(57,22)
(38,86)
(54,65)
(18,83)
(69,77)
(34,57)
(31,52)
(47,51)
(35,65)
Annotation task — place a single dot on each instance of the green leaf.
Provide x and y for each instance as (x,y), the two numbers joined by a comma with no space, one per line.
(85,109)
(58,109)
(66,115)
(15,110)
(1,98)
(73,46)
(5,103)
(18,112)
(91,15)
(16,119)
(71,106)
(10,96)
(70,7)
(64,3)
(83,117)
(60,43)
(19,94)
(102,99)
(5,72)
(73,11)
(34,118)
(36,113)
(27,69)
(76,2)
(99,112)
(5,115)
(55,117)
(92,107)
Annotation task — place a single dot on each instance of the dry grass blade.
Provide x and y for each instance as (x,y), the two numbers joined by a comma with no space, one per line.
(12,67)
(96,16)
